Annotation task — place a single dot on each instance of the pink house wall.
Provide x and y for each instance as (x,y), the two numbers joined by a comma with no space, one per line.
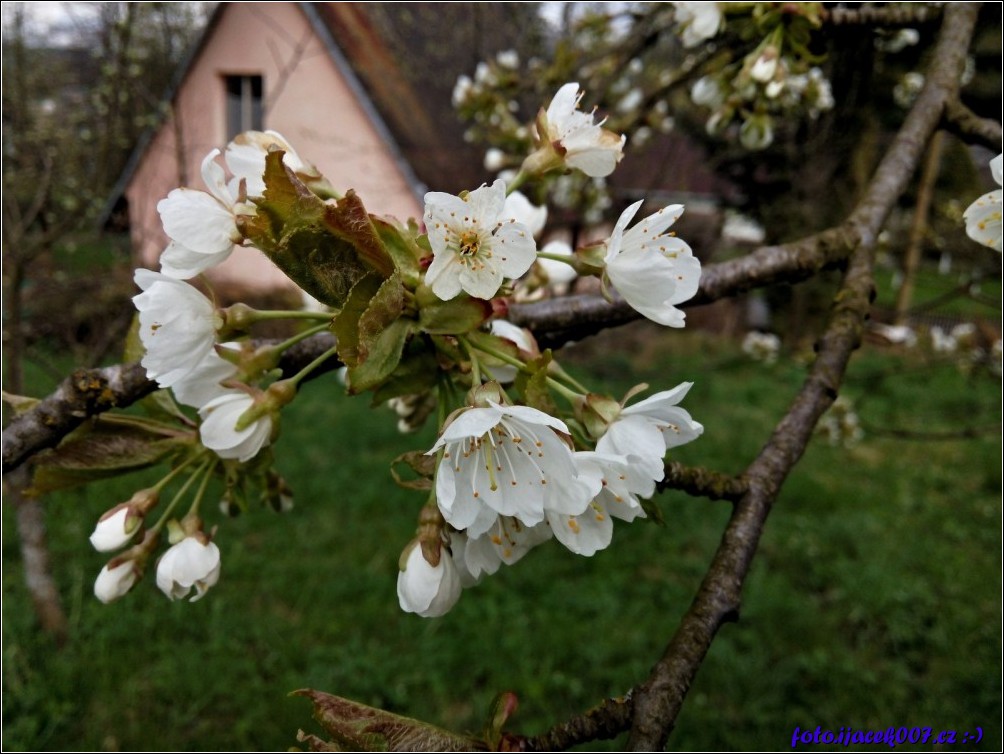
(307,100)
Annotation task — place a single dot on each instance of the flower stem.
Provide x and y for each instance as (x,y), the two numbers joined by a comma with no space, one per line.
(206,475)
(295,379)
(300,336)
(516,182)
(207,464)
(562,390)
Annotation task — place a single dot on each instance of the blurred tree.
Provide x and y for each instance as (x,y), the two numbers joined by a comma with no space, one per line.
(71,116)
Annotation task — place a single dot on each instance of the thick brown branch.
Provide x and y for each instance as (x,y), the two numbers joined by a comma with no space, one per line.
(659,699)
(970,127)
(84,393)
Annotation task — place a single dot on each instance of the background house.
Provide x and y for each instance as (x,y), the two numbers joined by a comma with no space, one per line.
(282,66)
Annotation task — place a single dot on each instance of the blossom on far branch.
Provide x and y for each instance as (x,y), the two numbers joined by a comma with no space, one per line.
(475,245)
(697,22)
(653,270)
(568,137)
(983,217)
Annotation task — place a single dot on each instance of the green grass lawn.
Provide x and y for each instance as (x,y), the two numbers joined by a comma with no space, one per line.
(874,600)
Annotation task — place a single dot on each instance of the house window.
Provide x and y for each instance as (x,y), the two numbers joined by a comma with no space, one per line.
(245,111)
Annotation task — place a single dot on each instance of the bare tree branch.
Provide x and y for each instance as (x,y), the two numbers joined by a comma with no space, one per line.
(701,482)
(970,127)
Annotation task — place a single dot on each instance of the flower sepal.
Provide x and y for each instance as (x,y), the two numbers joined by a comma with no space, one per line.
(596,412)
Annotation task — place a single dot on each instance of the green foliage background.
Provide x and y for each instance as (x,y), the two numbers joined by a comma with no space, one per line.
(874,600)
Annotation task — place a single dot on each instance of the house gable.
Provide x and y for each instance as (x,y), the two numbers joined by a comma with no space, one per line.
(307,95)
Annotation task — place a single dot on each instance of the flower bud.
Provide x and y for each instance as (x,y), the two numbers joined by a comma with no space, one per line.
(115,580)
(765,66)
(429,591)
(118,525)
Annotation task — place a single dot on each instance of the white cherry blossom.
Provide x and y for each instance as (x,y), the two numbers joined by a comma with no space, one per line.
(425,589)
(653,270)
(194,562)
(558,273)
(697,22)
(621,482)
(506,541)
(646,430)
(506,461)
(474,243)
(177,325)
(219,432)
(983,217)
(583,144)
(202,226)
(245,157)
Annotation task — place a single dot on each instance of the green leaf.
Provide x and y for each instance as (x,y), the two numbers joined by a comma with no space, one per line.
(417,373)
(348,220)
(346,322)
(106,450)
(457,316)
(357,727)
(402,246)
(382,358)
(384,308)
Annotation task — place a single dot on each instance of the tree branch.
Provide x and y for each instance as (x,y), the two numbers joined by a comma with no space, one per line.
(970,127)
(891,14)
(701,482)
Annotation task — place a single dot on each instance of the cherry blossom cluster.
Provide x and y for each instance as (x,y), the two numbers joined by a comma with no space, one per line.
(524,454)
(775,78)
